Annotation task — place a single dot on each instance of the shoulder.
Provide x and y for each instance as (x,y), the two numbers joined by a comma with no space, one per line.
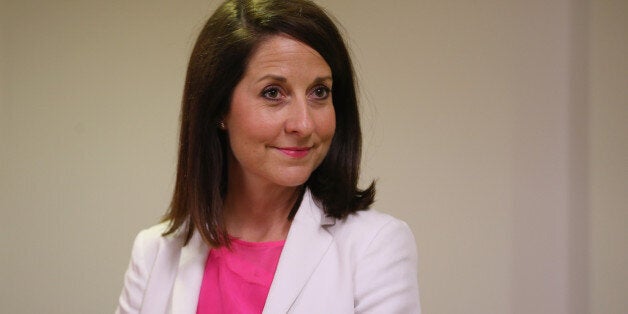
(151,241)
(373,237)
(382,252)
(370,218)
(366,227)
(385,259)
(153,236)
(149,244)
(360,232)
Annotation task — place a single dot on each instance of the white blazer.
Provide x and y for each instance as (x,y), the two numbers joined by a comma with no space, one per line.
(366,263)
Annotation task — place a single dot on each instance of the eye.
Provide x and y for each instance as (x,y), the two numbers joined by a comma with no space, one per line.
(321,92)
(271,92)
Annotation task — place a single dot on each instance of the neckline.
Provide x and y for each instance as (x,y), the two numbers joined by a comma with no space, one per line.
(257,244)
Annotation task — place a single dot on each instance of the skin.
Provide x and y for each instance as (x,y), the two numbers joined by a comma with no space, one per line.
(280,126)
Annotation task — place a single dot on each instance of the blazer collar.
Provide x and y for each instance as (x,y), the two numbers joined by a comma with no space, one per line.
(306,244)
(187,285)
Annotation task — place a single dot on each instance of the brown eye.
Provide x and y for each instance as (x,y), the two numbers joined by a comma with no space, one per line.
(321,92)
(271,93)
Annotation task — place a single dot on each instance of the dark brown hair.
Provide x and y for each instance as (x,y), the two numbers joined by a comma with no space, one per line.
(217,64)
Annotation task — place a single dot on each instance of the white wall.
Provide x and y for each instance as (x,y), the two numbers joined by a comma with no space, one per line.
(498,130)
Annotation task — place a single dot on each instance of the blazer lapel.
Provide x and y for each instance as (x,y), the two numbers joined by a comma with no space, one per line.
(306,244)
(189,276)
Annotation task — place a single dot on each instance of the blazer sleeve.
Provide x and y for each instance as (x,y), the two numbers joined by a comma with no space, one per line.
(386,275)
(136,276)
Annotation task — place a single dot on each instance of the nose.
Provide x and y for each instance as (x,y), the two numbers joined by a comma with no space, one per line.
(299,120)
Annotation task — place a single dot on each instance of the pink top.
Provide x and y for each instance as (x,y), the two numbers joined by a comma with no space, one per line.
(238,280)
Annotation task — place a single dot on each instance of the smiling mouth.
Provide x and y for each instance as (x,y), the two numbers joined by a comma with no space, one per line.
(295,152)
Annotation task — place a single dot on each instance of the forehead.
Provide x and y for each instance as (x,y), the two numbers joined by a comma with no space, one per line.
(279,52)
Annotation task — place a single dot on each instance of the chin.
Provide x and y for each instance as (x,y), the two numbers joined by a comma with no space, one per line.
(293,178)
(292,182)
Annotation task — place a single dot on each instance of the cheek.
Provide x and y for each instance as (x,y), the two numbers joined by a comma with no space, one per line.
(249,138)
(327,125)
(245,140)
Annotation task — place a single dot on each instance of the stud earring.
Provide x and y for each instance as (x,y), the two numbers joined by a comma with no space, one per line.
(221,125)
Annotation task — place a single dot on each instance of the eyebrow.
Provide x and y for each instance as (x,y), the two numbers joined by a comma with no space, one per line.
(323,79)
(283,79)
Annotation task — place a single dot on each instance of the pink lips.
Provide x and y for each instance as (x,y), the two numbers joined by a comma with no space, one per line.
(295,152)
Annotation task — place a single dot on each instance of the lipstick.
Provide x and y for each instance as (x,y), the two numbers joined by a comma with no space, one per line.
(295,152)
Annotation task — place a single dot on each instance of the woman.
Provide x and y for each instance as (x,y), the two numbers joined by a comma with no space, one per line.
(266,213)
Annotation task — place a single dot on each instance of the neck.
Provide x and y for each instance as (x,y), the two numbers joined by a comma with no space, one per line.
(258,212)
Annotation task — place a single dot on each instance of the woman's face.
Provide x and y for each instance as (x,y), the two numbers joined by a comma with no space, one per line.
(281,120)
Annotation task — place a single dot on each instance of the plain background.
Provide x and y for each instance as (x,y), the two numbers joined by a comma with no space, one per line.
(497,129)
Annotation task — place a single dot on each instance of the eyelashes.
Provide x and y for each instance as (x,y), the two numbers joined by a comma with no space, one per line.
(271,92)
(321,92)
(276,93)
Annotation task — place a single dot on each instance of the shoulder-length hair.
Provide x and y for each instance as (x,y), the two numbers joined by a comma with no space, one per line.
(217,64)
